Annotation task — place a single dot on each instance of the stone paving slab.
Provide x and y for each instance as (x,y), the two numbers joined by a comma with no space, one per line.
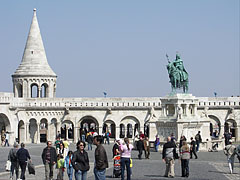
(209,165)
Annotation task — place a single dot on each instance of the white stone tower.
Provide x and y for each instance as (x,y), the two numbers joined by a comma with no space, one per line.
(34,78)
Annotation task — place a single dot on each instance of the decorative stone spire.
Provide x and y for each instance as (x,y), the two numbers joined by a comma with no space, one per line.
(34,61)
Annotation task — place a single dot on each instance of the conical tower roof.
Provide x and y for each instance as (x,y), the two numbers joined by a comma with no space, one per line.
(34,61)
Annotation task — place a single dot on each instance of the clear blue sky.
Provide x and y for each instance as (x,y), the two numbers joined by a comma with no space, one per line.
(119,47)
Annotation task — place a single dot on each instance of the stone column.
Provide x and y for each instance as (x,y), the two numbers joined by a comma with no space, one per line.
(27,132)
(175,110)
(76,134)
(49,137)
(38,133)
(194,109)
(187,109)
(163,110)
(118,132)
(39,92)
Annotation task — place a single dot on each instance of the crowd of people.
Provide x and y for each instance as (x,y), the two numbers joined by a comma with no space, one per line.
(76,164)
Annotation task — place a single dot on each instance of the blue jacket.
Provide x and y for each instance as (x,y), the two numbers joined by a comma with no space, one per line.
(66,163)
(23,155)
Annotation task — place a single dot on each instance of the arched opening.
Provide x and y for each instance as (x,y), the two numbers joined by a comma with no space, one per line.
(33,130)
(215,126)
(129,131)
(129,122)
(43,130)
(122,131)
(21,131)
(34,90)
(230,126)
(44,90)
(19,90)
(136,129)
(68,129)
(110,126)
(4,125)
(88,124)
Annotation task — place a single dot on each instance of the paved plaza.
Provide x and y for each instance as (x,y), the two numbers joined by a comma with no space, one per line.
(210,165)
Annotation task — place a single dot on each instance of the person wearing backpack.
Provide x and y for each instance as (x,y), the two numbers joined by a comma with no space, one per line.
(229,151)
(12,156)
(198,139)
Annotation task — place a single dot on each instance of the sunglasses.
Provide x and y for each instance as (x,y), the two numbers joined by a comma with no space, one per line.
(81,145)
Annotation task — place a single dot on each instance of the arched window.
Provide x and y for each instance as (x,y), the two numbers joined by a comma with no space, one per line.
(122,131)
(34,91)
(44,90)
(129,131)
(19,90)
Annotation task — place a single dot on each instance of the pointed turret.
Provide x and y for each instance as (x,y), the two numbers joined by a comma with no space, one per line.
(34,61)
(34,77)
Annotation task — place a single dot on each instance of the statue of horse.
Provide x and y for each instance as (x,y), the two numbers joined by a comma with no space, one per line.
(178,78)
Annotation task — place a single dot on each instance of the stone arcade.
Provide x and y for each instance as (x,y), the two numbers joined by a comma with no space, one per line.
(33,114)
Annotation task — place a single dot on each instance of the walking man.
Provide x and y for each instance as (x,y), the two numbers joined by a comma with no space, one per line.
(168,156)
(49,158)
(89,140)
(12,156)
(193,149)
(229,151)
(6,139)
(140,147)
(198,139)
(101,161)
(23,156)
(146,148)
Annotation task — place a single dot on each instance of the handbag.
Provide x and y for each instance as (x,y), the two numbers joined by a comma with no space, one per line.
(31,168)
(8,165)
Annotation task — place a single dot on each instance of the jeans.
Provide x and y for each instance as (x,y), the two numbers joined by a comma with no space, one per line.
(140,153)
(197,143)
(193,152)
(230,160)
(14,166)
(156,147)
(23,166)
(185,167)
(83,137)
(6,142)
(125,161)
(89,146)
(60,174)
(99,174)
(107,139)
(70,173)
(81,175)
(169,167)
(48,171)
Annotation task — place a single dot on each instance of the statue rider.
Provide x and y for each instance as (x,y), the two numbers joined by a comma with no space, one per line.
(178,63)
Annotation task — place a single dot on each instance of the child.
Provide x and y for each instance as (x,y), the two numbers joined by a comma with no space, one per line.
(68,164)
(60,166)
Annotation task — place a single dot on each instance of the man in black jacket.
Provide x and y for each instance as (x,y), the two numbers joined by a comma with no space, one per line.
(140,147)
(49,158)
(101,160)
(193,148)
(23,156)
(168,156)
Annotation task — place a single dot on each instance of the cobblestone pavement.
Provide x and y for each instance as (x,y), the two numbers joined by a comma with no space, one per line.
(209,165)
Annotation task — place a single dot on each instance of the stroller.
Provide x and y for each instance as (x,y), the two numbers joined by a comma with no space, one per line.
(116,166)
